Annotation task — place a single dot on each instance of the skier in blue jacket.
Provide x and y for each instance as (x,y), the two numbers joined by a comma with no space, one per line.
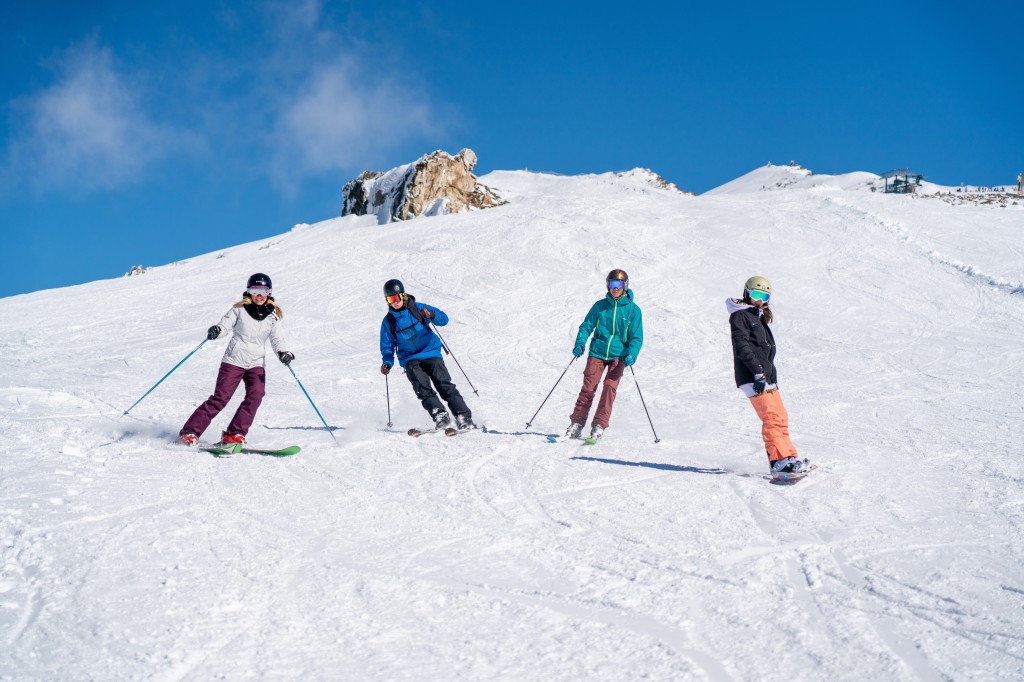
(406,330)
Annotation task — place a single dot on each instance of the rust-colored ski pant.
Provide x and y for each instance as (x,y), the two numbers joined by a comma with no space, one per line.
(591,378)
(774,425)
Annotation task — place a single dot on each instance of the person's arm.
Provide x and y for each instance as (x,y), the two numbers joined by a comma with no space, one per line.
(277,341)
(740,330)
(636,335)
(388,343)
(586,329)
(432,314)
(226,324)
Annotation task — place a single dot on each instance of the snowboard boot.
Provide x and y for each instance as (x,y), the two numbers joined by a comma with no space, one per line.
(464,422)
(596,432)
(442,420)
(574,430)
(789,465)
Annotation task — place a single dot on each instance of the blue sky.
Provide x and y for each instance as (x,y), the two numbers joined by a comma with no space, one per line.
(135,134)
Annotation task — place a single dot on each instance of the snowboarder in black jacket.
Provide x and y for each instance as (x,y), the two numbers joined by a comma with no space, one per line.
(753,352)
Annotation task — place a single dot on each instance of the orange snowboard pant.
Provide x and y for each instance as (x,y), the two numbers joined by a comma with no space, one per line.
(774,425)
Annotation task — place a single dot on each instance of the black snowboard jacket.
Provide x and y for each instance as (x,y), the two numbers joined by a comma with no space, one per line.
(753,345)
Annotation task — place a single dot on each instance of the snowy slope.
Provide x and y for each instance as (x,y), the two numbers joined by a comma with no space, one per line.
(774,178)
(497,555)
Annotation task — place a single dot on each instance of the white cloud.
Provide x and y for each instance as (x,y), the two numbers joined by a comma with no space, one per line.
(334,122)
(338,111)
(88,130)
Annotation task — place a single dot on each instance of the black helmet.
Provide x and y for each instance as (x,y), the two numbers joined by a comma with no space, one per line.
(617,274)
(259,280)
(393,286)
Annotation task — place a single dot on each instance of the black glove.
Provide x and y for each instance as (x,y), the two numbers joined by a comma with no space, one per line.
(759,384)
(385,368)
(213,332)
(427,313)
(286,356)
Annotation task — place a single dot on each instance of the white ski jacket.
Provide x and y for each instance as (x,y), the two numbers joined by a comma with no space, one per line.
(247,347)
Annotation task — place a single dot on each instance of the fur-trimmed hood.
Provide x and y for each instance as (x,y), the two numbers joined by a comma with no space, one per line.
(259,312)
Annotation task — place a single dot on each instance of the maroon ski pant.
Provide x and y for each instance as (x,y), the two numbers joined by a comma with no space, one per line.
(228,379)
(591,378)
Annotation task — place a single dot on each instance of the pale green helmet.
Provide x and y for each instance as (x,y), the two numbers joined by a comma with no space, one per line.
(756,283)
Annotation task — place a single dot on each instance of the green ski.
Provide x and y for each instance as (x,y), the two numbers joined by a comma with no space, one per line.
(225,450)
(283,452)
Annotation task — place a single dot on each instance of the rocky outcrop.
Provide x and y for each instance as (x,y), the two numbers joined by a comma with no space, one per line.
(435,184)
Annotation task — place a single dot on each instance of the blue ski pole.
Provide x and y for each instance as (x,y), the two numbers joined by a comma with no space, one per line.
(165,376)
(289,366)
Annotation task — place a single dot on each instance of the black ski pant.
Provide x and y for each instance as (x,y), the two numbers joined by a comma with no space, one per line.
(421,373)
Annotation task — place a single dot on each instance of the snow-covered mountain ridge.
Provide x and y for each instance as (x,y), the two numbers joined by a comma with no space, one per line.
(498,555)
(771,178)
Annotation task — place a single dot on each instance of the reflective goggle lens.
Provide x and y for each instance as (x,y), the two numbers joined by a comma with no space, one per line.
(616,284)
(758,295)
(395,298)
(258,291)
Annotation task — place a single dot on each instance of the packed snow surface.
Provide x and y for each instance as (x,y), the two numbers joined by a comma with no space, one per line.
(499,555)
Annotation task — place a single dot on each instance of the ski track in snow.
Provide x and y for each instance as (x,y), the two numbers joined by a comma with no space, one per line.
(498,555)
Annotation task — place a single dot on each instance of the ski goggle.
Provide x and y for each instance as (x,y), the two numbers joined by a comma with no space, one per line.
(395,298)
(758,295)
(616,284)
(258,291)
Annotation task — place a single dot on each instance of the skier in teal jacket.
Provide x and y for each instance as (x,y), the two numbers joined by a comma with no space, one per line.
(617,327)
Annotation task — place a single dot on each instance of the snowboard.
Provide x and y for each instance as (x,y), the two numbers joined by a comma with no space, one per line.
(791,478)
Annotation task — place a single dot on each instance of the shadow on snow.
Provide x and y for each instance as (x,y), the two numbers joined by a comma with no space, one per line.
(655,465)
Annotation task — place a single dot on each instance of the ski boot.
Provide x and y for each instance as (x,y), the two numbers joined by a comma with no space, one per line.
(596,432)
(231,438)
(574,430)
(442,420)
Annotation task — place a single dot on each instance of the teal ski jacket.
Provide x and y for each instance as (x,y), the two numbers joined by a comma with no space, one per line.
(617,326)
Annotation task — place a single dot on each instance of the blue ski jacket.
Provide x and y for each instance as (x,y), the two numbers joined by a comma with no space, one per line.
(617,326)
(414,340)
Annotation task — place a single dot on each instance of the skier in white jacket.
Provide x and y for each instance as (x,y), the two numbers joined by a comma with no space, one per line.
(253,320)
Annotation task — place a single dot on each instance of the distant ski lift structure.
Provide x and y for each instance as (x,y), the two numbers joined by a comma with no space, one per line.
(904,181)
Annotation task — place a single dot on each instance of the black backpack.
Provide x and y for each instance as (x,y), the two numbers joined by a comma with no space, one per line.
(411,307)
